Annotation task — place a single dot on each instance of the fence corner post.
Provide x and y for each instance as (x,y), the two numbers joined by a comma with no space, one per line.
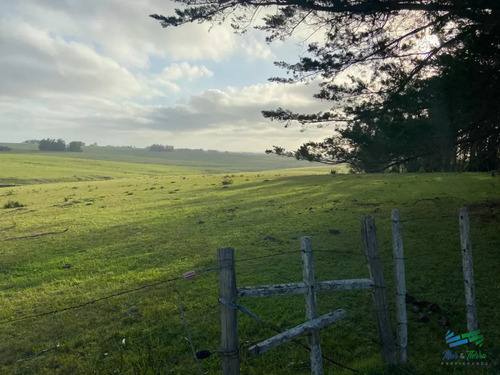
(229,316)
(400,279)
(380,298)
(311,304)
(468,270)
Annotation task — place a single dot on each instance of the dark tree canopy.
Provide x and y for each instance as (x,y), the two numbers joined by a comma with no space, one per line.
(76,146)
(49,144)
(52,145)
(412,83)
(160,148)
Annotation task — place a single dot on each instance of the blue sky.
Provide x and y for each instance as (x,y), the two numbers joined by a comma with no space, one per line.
(103,71)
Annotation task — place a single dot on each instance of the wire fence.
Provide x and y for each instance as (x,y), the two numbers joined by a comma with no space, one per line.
(191,274)
(186,276)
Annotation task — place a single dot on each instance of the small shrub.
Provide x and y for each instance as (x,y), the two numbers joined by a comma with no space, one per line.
(227,180)
(12,204)
(333,171)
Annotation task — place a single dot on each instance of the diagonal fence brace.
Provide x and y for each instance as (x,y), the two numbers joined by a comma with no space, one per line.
(299,330)
(235,306)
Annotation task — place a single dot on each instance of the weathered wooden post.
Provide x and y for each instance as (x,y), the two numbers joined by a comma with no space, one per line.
(311,305)
(369,234)
(309,287)
(470,290)
(399,272)
(229,316)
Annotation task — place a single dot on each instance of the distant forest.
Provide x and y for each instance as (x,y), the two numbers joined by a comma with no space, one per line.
(49,144)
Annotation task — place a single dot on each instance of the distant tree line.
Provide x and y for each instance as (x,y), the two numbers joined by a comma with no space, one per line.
(59,145)
(166,148)
(160,148)
(191,149)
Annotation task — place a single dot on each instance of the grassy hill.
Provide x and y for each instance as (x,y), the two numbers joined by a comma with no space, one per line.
(77,238)
(197,160)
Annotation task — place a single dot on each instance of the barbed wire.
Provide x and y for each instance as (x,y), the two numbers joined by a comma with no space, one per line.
(191,274)
(266,256)
(354,319)
(189,335)
(428,218)
(185,276)
(259,320)
(333,251)
(336,251)
(448,252)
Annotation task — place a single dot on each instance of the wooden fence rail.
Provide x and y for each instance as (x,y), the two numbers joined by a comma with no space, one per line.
(309,287)
(230,293)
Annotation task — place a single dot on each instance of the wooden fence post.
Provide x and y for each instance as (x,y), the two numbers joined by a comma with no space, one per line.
(369,233)
(399,272)
(470,291)
(311,305)
(229,316)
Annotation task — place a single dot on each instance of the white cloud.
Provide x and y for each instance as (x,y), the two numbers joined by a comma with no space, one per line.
(124,31)
(34,63)
(91,71)
(184,70)
(255,49)
(213,109)
(213,118)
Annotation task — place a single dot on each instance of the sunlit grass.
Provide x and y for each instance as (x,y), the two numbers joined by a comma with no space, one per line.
(152,225)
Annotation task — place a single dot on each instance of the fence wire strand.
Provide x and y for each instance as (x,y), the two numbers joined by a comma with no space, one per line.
(259,320)
(189,335)
(91,302)
(339,325)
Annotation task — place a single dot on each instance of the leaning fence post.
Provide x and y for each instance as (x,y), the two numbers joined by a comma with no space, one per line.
(311,305)
(470,291)
(229,316)
(399,272)
(380,299)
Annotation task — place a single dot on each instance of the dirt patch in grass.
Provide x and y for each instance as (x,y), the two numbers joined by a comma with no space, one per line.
(487,211)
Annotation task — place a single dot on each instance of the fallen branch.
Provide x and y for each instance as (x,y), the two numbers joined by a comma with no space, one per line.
(36,235)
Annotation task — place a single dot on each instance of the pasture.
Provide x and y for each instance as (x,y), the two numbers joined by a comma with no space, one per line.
(127,228)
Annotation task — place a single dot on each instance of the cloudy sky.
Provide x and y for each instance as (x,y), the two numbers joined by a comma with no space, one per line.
(103,71)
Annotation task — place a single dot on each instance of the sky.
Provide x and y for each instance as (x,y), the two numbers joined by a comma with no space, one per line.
(104,71)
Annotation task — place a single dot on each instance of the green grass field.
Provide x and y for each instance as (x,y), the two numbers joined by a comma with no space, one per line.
(196,161)
(119,225)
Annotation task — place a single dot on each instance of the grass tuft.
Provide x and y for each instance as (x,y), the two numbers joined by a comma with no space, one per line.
(12,204)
